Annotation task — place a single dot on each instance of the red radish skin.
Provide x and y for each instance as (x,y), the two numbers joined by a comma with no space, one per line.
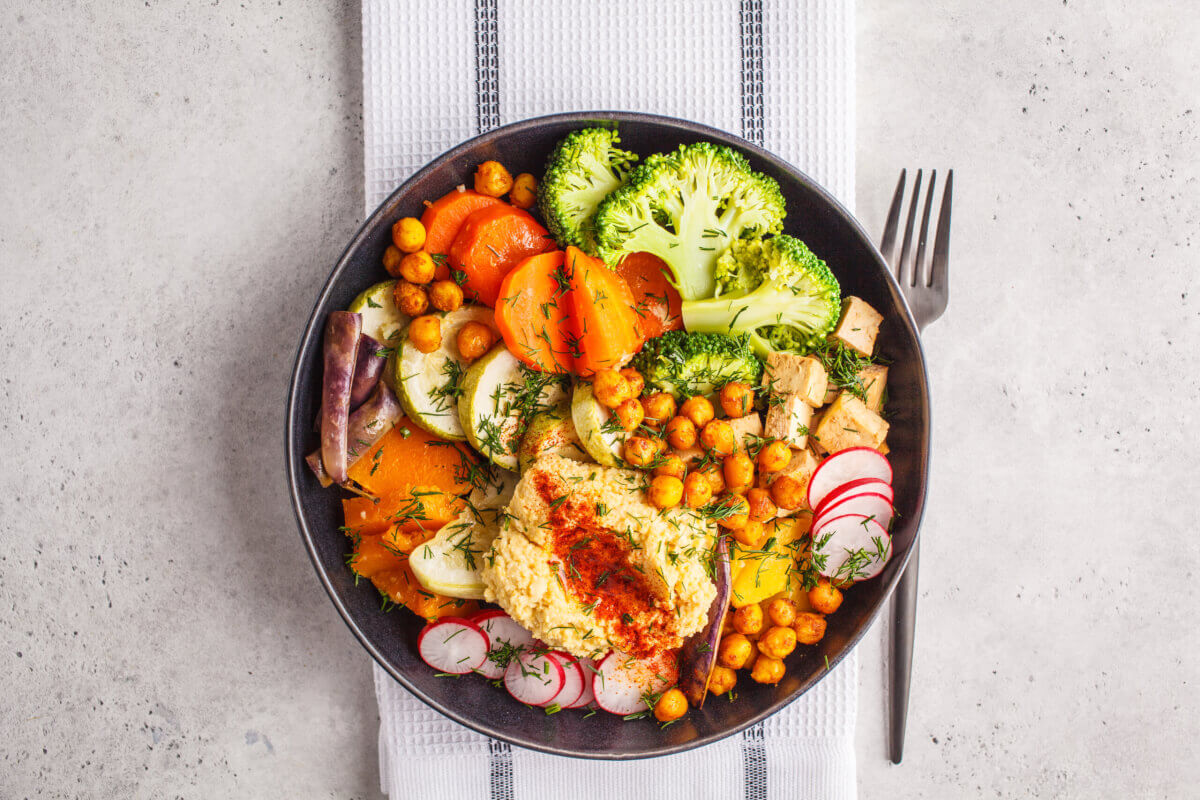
(574,680)
(621,681)
(501,629)
(587,696)
(845,466)
(534,679)
(840,537)
(453,645)
(874,506)
(851,488)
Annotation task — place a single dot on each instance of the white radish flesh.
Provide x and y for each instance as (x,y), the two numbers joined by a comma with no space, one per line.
(534,678)
(573,679)
(854,547)
(859,486)
(875,506)
(501,630)
(845,466)
(621,682)
(454,645)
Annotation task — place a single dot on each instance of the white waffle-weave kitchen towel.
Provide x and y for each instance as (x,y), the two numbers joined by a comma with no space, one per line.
(778,72)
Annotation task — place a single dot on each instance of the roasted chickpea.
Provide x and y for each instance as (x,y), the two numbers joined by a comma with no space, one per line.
(774,456)
(716,479)
(408,235)
(426,333)
(717,437)
(665,491)
(734,651)
(629,414)
(767,670)
(751,535)
(738,470)
(736,399)
(781,611)
(681,433)
(736,511)
(671,706)
(446,295)
(787,492)
(777,642)
(636,381)
(492,179)
(697,490)
(762,507)
(721,680)
(417,267)
(825,597)
(809,627)
(748,620)
(391,260)
(698,409)
(610,388)
(473,340)
(671,465)
(523,193)
(660,407)
(640,451)
(410,299)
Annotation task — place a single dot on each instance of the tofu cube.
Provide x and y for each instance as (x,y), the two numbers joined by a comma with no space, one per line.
(790,374)
(873,378)
(849,423)
(858,326)
(746,430)
(788,419)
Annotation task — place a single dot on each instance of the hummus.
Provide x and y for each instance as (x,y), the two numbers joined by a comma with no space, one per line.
(587,566)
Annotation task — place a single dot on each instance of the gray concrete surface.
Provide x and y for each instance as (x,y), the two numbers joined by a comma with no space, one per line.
(177,180)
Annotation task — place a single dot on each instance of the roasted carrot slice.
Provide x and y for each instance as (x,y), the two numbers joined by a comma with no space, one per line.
(657,302)
(408,456)
(607,327)
(490,243)
(532,311)
(443,217)
(371,557)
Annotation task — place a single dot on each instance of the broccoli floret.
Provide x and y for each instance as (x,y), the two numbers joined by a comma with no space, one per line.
(583,169)
(775,290)
(686,207)
(685,363)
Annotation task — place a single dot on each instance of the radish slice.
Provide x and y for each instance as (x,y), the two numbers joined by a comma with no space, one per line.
(501,630)
(855,547)
(587,696)
(621,681)
(860,486)
(845,466)
(534,678)
(453,645)
(875,506)
(573,679)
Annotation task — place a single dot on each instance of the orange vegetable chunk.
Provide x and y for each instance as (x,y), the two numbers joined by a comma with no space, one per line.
(532,312)
(490,243)
(657,302)
(608,328)
(409,456)
(443,217)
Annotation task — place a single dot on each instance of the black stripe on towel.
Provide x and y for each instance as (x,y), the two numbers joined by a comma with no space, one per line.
(500,770)
(751,18)
(754,762)
(487,66)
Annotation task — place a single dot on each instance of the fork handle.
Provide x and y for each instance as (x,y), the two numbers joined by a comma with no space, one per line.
(904,621)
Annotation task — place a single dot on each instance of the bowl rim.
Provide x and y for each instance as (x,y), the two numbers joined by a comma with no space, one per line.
(312,329)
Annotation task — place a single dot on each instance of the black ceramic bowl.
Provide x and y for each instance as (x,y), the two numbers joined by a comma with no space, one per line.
(812,215)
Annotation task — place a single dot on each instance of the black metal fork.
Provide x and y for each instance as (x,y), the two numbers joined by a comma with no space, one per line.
(925,285)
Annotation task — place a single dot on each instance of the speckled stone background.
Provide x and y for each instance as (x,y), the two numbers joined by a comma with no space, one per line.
(177,181)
